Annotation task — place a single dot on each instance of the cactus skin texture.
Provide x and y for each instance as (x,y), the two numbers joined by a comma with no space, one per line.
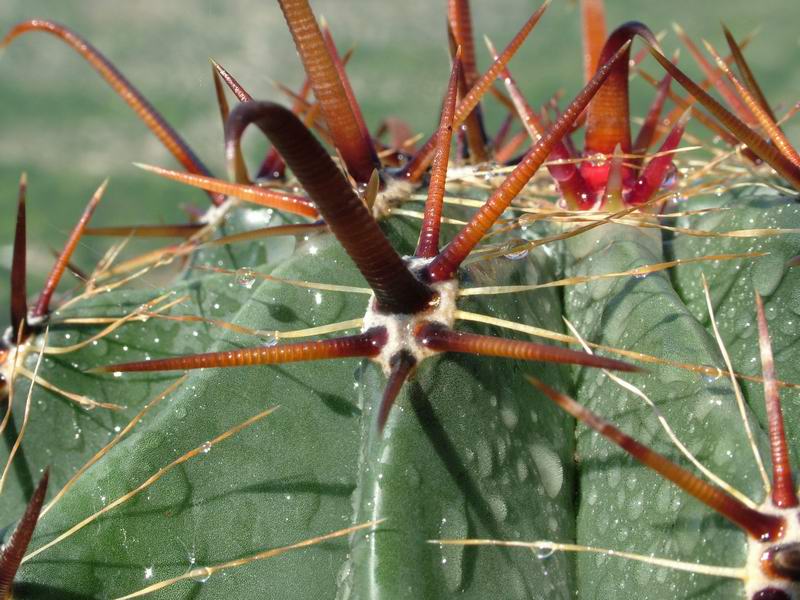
(470,450)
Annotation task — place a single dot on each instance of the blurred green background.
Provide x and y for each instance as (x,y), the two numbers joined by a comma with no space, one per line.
(61,124)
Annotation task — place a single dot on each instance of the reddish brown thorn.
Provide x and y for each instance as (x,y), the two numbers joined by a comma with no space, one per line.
(298,205)
(444,266)
(472,130)
(759,526)
(743,133)
(124,89)
(570,182)
(459,19)
(439,338)
(428,245)
(14,550)
(608,118)
(308,111)
(71,267)
(42,307)
(501,135)
(747,74)
(714,75)
(763,118)
(682,104)
(183,230)
(222,102)
(19,288)
(654,174)
(647,133)
(241,94)
(402,364)
(416,166)
(783,494)
(396,289)
(593,35)
(507,152)
(357,152)
(362,345)
(348,89)
(272,167)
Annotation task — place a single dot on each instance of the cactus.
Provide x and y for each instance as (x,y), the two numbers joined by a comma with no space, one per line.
(434,469)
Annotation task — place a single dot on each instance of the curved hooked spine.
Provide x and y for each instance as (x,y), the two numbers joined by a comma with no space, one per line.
(396,289)
(608,118)
(170,138)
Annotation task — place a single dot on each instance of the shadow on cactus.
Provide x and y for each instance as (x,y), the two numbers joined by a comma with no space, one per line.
(179,485)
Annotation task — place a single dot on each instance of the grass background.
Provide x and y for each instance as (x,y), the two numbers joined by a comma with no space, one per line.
(61,124)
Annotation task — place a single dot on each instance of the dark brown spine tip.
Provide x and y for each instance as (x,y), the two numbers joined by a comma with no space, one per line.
(771,593)
(329,90)
(396,289)
(402,364)
(758,525)
(783,493)
(445,265)
(14,550)
(783,561)
(441,339)
(170,138)
(766,152)
(19,291)
(42,307)
(363,345)
(242,95)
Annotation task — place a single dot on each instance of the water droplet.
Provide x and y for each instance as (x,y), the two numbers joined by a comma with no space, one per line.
(548,464)
(499,508)
(201,575)
(509,417)
(148,573)
(206,447)
(544,552)
(597,160)
(670,178)
(245,277)
(512,252)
